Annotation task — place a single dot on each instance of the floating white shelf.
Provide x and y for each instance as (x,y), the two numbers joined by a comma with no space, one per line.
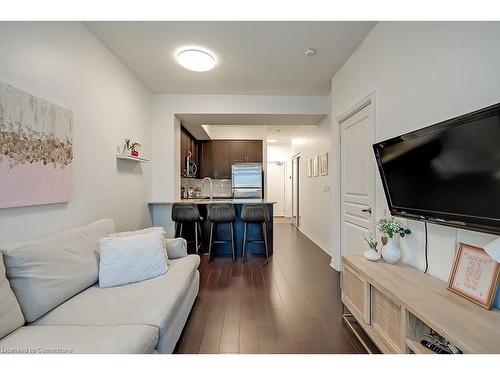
(132,158)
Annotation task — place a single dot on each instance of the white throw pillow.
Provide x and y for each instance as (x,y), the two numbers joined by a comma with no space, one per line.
(176,247)
(128,259)
(143,231)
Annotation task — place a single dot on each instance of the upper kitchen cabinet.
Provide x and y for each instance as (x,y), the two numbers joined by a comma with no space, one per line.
(220,159)
(254,151)
(188,143)
(206,160)
(238,153)
(246,152)
(215,161)
(217,156)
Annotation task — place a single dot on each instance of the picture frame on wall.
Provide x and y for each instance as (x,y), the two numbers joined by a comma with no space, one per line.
(308,168)
(474,275)
(323,164)
(315,166)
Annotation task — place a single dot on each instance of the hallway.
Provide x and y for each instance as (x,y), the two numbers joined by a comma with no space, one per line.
(291,305)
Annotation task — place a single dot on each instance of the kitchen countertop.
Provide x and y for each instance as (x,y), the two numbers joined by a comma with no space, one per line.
(215,200)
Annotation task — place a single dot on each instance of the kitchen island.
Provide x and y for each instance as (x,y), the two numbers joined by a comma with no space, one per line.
(161,216)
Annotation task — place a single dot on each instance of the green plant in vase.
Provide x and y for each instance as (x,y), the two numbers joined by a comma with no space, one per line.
(391,227)
(131,147)
(371,254)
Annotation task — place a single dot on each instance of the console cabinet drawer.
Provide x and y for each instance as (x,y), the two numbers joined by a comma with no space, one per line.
(354,294)
(386,319)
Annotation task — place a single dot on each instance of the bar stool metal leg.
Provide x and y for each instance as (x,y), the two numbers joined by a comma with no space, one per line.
(180,231)
(232,241)
(176,228)
(210,243)
(243,251)
(264,232)
(197,228)
(196,236)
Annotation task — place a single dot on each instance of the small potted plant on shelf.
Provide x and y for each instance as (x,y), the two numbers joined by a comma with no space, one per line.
(371,254)
(390,227)
(131,147)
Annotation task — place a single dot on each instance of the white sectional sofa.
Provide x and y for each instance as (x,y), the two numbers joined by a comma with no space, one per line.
(50,302)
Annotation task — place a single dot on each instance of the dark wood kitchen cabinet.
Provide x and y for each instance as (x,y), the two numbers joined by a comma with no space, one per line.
(216,157)
(188,143)
(246,152)
(206,167)
(238,151)
(220,159)
(254,151)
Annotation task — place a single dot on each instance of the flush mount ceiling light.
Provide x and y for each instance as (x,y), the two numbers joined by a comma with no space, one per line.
(272,140)
(196,59)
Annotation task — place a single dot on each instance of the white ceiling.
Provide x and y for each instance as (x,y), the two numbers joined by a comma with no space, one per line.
(193,121)
(265,58)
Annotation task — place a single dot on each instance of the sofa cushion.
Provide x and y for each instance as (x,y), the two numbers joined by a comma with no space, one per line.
(11,316)
(133,258)
(143,231)
(46,272)
(151,302)
(176,247)
(81,340)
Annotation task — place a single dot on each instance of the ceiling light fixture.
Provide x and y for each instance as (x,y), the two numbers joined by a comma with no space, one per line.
(196,59)
(272,140)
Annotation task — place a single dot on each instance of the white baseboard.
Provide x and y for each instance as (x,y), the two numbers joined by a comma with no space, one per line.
(332,263)
(314,239)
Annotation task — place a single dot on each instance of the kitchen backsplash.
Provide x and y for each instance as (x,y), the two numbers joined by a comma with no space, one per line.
(221,188)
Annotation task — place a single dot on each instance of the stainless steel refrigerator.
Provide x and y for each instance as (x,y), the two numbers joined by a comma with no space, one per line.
(247,180)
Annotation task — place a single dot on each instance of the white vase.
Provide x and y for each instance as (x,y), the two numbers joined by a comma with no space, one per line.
(372,255)
(391,252)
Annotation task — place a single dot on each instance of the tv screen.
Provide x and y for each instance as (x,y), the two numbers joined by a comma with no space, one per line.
(448,172)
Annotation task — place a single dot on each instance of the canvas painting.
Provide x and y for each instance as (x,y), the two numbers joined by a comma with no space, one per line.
(36,150)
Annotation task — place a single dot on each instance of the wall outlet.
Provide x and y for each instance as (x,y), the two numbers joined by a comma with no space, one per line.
(326,188)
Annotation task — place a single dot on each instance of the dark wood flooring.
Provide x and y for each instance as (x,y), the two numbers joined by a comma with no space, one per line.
(290,305)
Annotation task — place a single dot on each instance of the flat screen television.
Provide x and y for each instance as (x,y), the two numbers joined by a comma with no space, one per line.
(448,173)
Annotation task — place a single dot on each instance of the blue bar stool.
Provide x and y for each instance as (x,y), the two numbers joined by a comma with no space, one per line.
(187,213)
(254,213)
(221,213)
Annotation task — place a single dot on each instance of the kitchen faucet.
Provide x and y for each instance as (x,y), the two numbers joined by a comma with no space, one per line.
(211,186)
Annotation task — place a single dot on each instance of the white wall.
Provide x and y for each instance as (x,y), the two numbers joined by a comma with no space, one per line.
(282,152)
(64,63)
(165,137)
(315,207)
(422,73)
(166,132)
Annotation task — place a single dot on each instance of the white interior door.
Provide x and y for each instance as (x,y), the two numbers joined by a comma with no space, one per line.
(357,179)
(295,191)
(276,172)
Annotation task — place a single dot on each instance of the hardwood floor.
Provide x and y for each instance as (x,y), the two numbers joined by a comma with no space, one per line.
(291,305)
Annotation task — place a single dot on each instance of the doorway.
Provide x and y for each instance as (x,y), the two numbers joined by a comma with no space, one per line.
(295,191)
(357,172)
(276,186)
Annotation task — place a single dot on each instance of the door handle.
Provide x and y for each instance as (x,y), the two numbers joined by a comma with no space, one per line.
(369,210)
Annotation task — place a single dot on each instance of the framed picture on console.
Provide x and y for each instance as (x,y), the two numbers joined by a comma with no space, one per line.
(474,275)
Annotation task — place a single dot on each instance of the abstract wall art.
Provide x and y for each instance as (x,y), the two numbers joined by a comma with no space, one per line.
(36,150)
